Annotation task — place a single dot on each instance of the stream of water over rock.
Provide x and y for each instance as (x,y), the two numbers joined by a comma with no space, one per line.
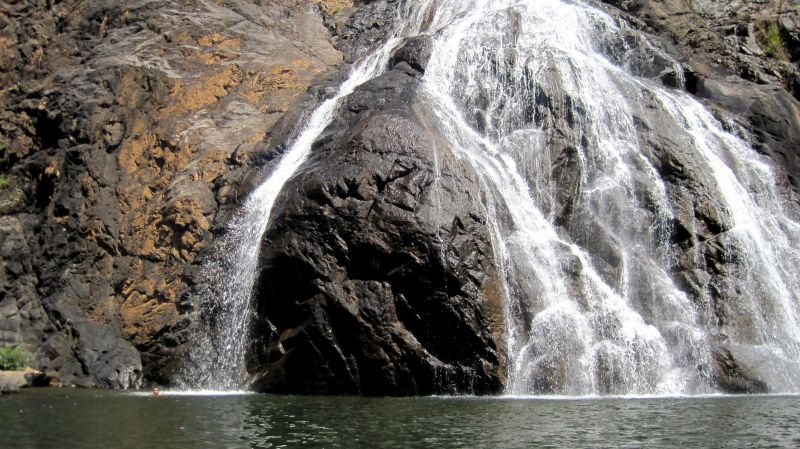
(563,111)
(217,361)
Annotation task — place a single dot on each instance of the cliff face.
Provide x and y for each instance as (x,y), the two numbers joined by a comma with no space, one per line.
(130,132)
(741,56)
(126,130)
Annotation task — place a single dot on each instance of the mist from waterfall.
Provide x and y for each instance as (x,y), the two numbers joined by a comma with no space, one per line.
(541,96)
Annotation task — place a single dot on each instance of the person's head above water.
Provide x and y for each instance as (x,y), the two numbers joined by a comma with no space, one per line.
(156,391)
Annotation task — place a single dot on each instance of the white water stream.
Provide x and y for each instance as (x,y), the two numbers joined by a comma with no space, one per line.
(217,361)
(592,306)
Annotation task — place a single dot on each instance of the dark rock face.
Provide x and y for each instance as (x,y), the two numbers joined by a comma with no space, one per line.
(770,115)
(415,52)
(367,27)
(378,273)
(732,378)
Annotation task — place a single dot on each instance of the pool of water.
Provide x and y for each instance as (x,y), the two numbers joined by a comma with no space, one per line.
(72,418)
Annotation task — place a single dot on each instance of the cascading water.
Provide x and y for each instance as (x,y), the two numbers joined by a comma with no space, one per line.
(217,359)
(217,362)
(593,307)
(554,104)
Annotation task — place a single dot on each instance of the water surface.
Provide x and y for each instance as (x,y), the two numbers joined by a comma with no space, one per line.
(67,418)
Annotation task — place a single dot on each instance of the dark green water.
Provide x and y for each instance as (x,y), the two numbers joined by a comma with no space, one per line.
(67,418)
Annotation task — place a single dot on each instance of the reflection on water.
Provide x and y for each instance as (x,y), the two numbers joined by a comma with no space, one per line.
(66,418)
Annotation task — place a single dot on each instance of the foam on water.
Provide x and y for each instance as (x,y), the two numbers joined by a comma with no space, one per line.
(192,393)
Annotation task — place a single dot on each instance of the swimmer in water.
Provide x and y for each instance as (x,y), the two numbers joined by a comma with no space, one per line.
(156,392)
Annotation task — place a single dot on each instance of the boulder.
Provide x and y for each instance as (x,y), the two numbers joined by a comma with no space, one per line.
(378,274)
(12,381)
(415,51)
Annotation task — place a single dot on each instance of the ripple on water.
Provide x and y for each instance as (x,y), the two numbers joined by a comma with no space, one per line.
(76,418)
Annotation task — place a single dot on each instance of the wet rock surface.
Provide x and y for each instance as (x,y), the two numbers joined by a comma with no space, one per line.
(730,377)
(378,275)
(367,27)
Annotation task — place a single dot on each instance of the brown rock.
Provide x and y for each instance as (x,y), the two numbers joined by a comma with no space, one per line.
(119,120)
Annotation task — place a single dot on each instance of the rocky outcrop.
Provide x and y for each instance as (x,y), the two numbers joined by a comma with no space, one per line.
(378,274)
(740,56)
(125,131)
(732,378)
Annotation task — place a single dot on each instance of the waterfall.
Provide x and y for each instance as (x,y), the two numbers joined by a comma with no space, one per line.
(559,106)
(594,308)
(217,362)
(217,359)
